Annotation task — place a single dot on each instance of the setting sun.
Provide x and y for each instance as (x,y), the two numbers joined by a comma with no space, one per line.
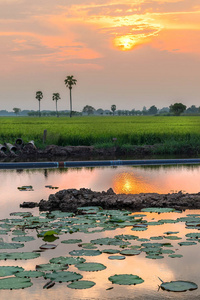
(125,42)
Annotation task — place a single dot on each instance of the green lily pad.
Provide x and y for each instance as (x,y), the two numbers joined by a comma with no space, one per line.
(30,274)
(18,232)
(14,283)
(110,241)
(130,252)
(63,276)
(179,286)
(18,255)
(9,270)
(171,232)
(116,257)
(10,245)
(81,284)
(67,260)
(51,267)
(154,256)
(23,239)
(175,255)
(126,237)
(88,246)
(21,214)
(156,237)
(110,251)
(48,246)
(172,237)
(187,243)
(91,267)
(126,279)
(195,235)
(71,241)
(85,252)
(139,228)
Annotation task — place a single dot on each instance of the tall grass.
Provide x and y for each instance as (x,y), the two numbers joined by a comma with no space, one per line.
(168,132)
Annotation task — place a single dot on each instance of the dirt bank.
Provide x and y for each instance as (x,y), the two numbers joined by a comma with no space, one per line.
(71,199)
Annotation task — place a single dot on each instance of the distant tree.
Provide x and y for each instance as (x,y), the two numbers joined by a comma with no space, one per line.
(177,108)
(113,108)
(144,110)
(192,110)
(16,110)
(100,111)
(39,96)
(88,109)
(152,110)
(69,82)
(56,97)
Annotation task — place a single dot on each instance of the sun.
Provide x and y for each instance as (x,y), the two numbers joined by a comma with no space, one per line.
(125,42)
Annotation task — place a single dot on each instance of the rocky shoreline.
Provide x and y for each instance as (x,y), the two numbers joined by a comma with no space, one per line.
(53,152)
(71,199)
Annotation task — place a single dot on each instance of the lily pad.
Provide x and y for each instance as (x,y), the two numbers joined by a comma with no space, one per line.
(179,286)
(158,209)
(130,252)
(30,274)
(85,252)
(126,279)
(67,260)
(14,283)
(18,255)
(110,251)
(10,245)
(91,267)
(187,243)
(116,257)
(48,246)
(81,284)
(51,267)
(63,276)
(71,241)
(9,270)
(175,255)
(23,239)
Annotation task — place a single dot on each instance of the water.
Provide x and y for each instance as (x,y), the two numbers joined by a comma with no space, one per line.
(122,180)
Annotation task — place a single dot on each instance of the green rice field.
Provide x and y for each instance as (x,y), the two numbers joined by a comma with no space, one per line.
(168,133)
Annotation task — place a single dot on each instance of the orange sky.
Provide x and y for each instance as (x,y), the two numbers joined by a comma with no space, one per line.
(144,52)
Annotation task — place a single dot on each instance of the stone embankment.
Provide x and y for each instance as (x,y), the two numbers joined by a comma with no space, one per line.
(71,199)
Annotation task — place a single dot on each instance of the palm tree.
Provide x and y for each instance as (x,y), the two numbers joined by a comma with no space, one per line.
(39,97)
(113,108)
(56,97)
(69,82)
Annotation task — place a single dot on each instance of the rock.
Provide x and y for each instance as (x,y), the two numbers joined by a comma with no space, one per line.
(29,204)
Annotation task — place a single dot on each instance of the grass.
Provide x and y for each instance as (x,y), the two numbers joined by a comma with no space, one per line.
(171,134)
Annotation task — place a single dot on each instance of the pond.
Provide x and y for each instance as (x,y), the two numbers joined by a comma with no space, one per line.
(164,230)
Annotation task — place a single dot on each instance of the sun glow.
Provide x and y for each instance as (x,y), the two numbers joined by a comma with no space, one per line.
(125,42)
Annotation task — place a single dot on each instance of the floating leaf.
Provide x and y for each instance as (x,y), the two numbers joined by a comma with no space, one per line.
(49,284)
(187,243)
(67,260)
(175,255)
(23,239)
(81,284)
(51,267)
(172,237)
(10,245)
(18,255)
(126,279)
(30,274)
(91,267)
(85,252)
(9,270)
(179,286)
(48,246)
(117,257)
(110,251)
(71,241)
(195,235)
(63,276)
(110,241)
(158,209)
(154,256)
(14,283)
(130,252)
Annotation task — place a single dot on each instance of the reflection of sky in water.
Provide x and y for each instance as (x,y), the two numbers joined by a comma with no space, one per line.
(122,179)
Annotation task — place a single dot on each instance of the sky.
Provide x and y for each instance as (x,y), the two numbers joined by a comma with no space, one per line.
(135,54)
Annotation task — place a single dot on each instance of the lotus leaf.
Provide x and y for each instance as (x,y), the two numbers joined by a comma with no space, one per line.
(126,279)
(156,238)
(116,257)
(126,237)
(88,246)
(187,243)
(14,283)
(30,274)
(21,214)
(110,251)
(81,284)
(10,245)
(171,232)
(71,241)
(67,260)
(91,267)
(9,270)
(63,276)
(51,267)
(175,255)
(18,255)
(23,239)
(85,252)
(19,232)
(110,241)
(139,228)
(154,256)
(130,252)
(48,246)
(179,286)
(172,237)
(195,235)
